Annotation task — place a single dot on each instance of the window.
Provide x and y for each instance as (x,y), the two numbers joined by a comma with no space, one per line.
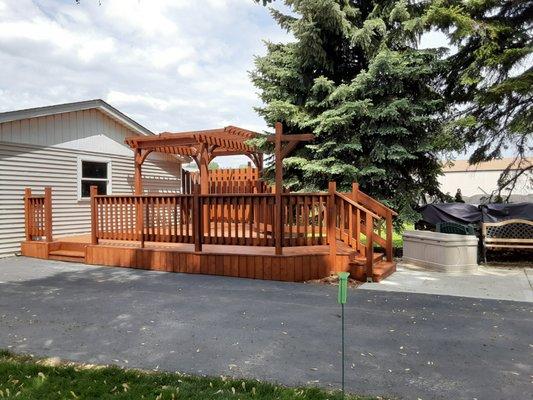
(93,173)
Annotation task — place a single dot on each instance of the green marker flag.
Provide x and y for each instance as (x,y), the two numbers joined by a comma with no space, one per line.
(343,287)
(343,293)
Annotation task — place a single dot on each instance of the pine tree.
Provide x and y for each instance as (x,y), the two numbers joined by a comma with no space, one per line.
(355,78)
(490,78)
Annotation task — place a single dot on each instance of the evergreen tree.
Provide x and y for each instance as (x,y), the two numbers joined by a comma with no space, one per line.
(490,79)
(355,78)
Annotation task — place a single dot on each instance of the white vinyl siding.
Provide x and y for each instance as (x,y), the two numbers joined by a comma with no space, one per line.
(44,151)
(79,130)
(35,167)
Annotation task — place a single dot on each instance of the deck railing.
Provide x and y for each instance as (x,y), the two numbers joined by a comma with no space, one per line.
(38,215)
(250,219)
(226,219)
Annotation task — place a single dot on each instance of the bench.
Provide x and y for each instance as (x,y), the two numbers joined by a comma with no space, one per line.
(511,233)
(455,228)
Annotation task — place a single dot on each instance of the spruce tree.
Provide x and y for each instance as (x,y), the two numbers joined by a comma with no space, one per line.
(490,78)
(355,78)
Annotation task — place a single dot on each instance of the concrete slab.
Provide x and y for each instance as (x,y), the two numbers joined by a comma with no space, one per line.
(498,283)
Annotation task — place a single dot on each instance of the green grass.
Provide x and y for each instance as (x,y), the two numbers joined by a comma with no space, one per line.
(397,240)
(23,377)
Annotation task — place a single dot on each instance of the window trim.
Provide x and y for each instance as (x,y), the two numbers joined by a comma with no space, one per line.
(109,179)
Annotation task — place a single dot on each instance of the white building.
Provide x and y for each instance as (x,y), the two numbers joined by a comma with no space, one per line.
(71,147)
(476,181)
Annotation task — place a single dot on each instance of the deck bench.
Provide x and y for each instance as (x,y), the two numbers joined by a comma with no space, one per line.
(511,233)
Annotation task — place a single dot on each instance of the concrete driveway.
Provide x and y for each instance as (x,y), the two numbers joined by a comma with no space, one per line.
(497,283)
(399,345)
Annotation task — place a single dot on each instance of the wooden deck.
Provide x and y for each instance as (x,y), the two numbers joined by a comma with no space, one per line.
(296,264)
(278,236)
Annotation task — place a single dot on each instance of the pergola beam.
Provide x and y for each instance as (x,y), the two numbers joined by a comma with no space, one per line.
(202,146)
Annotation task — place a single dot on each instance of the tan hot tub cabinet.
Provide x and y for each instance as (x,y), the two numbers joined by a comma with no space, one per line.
(442,252)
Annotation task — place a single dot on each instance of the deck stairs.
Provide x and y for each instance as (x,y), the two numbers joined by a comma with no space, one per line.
(381,268)
(67,251)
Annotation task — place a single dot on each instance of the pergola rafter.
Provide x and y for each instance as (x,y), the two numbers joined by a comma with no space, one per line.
(202,146)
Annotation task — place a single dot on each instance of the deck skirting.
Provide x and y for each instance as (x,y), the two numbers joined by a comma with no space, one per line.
(286,267)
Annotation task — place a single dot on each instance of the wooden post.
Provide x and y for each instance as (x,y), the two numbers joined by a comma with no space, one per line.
(278,233)
(197,220)
(388,250)
(138,181)
(369,253)
(27,216)
(94,217)
(139,223)
(355,192)
(203,166)
(332,224)
(48,214)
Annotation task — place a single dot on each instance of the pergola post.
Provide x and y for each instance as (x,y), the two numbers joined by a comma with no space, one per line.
(203,166)
(139,159)
(278,234)
(138,180)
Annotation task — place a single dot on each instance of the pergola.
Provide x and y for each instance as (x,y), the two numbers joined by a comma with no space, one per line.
(202,146)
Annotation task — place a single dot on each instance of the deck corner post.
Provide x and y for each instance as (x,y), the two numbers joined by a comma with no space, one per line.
(331,222)
(197,219)
(27,210)
(94,219)
(369,253)
(48,213)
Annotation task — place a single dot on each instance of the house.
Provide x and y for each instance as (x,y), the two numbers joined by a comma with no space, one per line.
(478,181)
(71,147)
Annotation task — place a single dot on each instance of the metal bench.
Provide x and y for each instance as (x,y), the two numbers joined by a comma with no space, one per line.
(455,228)
(511,233)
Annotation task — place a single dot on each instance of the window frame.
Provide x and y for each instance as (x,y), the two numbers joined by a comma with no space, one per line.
(109,180)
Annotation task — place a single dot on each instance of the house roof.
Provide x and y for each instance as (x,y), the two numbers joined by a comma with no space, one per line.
(493,165)
(98,104)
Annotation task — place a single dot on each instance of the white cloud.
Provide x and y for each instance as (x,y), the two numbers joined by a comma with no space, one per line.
(170,64)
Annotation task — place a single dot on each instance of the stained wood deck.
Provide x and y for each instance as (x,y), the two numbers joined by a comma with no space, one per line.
(296,264)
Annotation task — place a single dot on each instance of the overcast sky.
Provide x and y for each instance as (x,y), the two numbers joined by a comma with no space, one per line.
(169,64)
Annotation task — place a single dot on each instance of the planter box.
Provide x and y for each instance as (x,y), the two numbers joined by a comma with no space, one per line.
(441,252)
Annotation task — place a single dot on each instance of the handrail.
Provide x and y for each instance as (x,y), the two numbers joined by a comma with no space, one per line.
(149,195)
(377,203)
(357,205)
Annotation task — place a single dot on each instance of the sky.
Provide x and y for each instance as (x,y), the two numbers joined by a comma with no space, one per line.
(171,65)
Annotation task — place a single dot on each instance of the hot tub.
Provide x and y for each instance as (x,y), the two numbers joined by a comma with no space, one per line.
(443,252)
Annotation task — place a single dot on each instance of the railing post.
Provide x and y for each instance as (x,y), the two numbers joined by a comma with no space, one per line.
(140,219)
(278,219)
(94,218)
(27,211)
(332,222)
(197,211)
(388,250)
(48,214)
(369,253)
(355,192)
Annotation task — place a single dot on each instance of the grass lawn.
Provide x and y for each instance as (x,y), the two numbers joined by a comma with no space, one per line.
(23,377)
(397,240)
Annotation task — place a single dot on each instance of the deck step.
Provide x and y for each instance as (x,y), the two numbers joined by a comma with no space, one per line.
(361,260)
(67,255)
(382,270)
(72,246)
